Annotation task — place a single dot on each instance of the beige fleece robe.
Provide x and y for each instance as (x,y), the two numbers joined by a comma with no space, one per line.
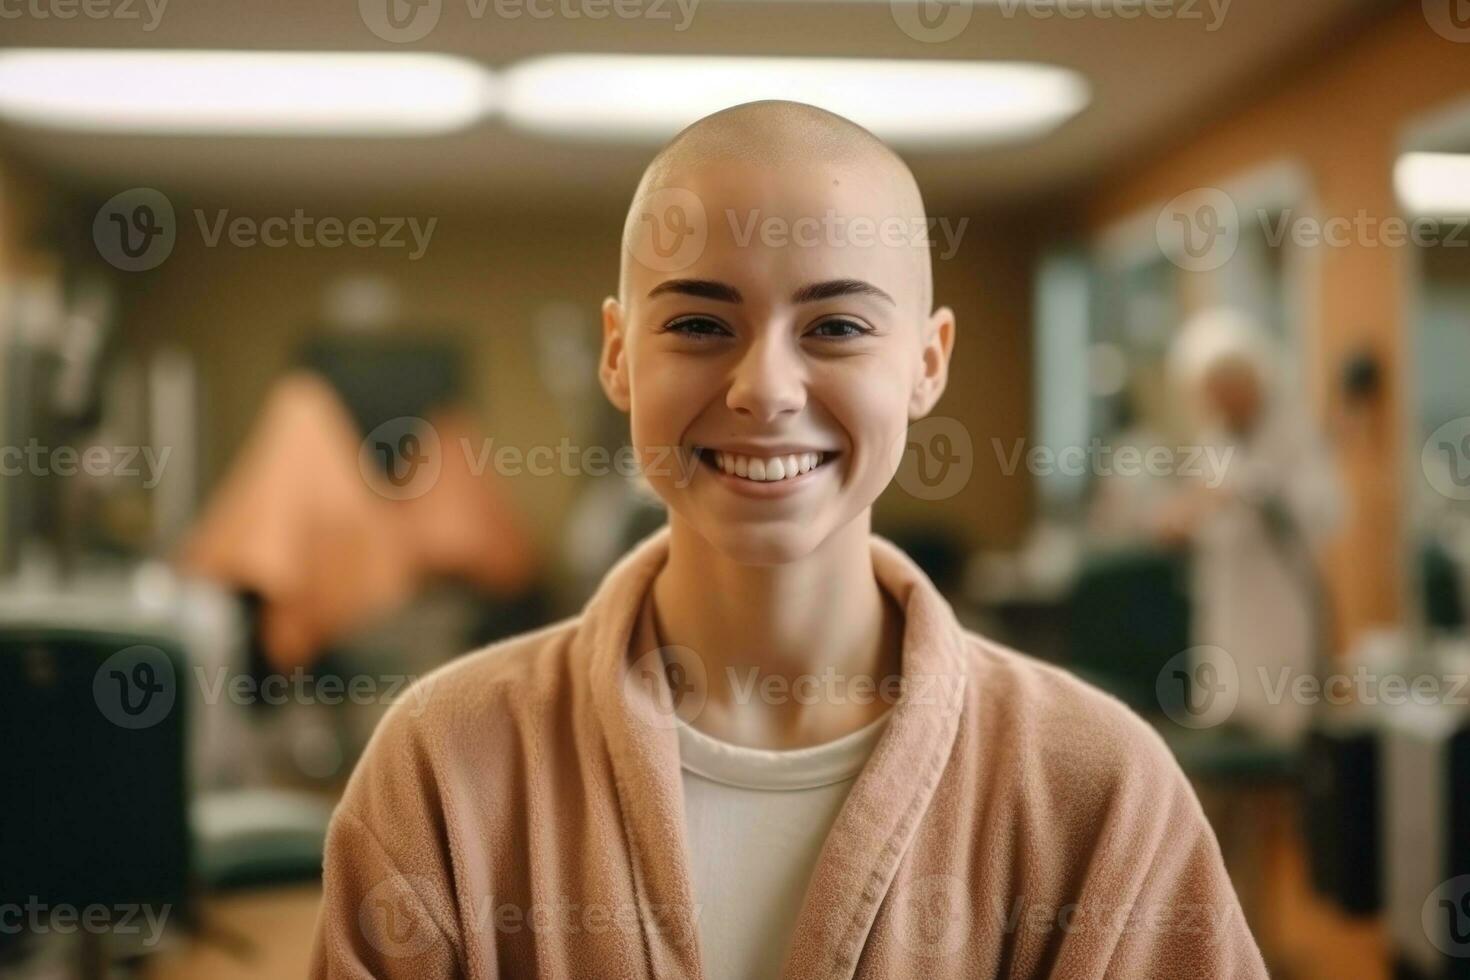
(519,814)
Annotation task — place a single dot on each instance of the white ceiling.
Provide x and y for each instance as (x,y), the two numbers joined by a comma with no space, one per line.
(1153,78)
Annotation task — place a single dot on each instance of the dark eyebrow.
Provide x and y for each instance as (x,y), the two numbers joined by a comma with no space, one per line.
(703,288)
(810,293)
(832,288)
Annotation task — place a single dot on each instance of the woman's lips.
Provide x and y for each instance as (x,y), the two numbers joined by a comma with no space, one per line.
(765,476)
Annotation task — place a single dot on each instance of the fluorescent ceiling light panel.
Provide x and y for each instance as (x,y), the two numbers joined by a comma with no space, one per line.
(913,103)
(1433,184)
(292,93)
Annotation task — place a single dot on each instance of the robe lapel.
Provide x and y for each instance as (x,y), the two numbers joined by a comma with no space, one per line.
(637,713)
(636,707)
(878,820)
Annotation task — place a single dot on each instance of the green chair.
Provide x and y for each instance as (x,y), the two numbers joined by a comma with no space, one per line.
(1127,616)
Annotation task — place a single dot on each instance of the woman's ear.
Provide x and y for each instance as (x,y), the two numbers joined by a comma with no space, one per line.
(612,368)
(938,343)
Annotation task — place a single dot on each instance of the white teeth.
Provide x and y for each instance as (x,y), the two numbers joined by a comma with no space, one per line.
(767,470)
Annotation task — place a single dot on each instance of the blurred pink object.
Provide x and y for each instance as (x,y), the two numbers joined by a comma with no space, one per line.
(301,519)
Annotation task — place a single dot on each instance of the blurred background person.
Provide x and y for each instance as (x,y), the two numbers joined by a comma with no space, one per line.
(1254,528)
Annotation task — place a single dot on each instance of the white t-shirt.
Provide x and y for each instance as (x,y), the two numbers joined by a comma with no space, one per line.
(755,821)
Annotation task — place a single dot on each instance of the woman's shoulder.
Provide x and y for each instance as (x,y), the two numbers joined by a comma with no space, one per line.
(1045,713)
(514,680)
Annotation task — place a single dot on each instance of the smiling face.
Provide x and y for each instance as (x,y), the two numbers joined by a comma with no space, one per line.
(771,367)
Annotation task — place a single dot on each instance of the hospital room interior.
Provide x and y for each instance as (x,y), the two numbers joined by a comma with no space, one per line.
(300,326)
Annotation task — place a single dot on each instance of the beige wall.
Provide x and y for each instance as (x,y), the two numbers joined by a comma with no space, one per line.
(1342,116)
(242,313)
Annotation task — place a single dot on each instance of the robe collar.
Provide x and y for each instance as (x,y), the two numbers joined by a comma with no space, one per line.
(637,707)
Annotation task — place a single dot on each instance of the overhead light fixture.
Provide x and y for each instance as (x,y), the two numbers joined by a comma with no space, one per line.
(291,93)
(912,103)
(1433,185)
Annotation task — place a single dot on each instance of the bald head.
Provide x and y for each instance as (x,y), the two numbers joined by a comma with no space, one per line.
(775,132)
(778,136)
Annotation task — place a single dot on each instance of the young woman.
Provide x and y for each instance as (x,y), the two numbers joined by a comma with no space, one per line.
(766,747)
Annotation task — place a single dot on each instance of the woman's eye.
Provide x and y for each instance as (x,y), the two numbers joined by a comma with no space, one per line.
(698,326)
(840,328)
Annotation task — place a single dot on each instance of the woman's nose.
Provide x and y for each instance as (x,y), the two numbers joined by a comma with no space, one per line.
(770,381)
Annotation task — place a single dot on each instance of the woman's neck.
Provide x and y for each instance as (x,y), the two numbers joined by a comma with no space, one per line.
(794,654)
